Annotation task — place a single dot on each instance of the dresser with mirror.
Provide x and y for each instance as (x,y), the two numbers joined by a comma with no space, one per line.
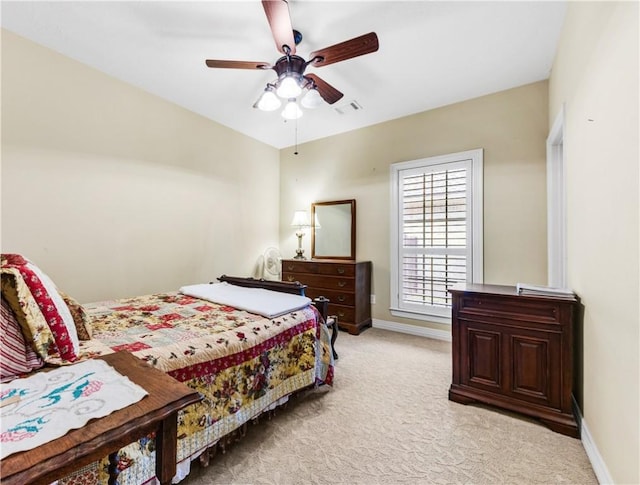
(333,271)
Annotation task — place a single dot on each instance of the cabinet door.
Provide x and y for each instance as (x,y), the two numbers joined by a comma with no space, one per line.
(482,347)
(512,360)
(534,363)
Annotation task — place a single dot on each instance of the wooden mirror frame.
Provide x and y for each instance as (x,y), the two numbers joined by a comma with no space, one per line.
(352,204)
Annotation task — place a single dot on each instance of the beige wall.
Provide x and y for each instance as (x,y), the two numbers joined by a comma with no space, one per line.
(511,127)
(595,75)
(115,192)
(135,195)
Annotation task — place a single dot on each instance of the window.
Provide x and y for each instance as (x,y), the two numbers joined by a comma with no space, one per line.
(436,232)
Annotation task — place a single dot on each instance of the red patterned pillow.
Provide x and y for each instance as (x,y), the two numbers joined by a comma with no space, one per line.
(50,303)
(16,357)
(12,259)
(80,317)
(34,327)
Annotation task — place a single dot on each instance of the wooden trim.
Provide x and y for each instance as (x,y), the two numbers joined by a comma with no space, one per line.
(352,256)
(295,288)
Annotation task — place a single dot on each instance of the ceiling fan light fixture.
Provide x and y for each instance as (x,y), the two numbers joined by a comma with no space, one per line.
(291,110)
(269,101)
(288,87)
(312,99)
(290,68)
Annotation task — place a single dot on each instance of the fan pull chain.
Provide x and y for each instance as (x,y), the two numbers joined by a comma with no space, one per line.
(296,152)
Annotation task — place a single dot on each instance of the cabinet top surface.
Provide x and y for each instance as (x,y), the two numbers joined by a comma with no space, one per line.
(333,261)
(503,290)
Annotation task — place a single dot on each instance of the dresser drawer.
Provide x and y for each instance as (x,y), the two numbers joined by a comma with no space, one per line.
(329,269)
(336,297)
(514,309)
(345,314)
(319,281)
(336,269)
(299,267)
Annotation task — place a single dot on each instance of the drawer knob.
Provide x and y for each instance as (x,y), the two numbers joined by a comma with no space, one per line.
(341,314)
(290,267)
(340,270)
(342,284)
(289,278)
(341,298)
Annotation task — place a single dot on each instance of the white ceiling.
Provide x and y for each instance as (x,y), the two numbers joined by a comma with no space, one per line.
(432,53)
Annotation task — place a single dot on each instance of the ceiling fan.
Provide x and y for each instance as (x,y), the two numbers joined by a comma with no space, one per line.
(290,68)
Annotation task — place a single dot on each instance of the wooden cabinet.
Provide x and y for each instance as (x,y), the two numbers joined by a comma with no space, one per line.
(347,284)
(515,352)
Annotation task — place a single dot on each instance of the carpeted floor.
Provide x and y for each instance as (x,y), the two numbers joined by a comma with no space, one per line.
(387,420)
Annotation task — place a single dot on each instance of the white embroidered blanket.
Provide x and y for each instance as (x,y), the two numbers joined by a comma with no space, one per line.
(47,405)
(270,304)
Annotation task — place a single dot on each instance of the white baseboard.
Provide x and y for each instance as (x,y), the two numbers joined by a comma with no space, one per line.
(412,329)
(598,464)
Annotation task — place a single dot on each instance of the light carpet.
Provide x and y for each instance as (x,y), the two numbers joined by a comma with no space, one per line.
(387,420)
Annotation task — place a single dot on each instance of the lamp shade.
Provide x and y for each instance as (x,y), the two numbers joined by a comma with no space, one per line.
(300,219)
(268,101)
(291,110)
(312,99)
(288,87)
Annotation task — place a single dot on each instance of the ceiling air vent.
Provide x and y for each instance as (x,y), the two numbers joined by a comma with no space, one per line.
(349,107)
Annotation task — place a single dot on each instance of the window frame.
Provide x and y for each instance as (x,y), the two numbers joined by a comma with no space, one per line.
(474,160)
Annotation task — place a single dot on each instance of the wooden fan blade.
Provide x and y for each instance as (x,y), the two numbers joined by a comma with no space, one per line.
(359,46)
(238,64)
(326,90)
(280,22)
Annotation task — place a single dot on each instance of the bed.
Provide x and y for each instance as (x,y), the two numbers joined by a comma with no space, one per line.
(243,364)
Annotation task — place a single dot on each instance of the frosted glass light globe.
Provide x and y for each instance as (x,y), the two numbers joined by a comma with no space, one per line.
(289,88)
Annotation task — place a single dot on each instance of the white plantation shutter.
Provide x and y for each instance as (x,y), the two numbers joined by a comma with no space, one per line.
(433,227)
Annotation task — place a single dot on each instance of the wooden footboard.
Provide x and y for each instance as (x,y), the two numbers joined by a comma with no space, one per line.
(295,288)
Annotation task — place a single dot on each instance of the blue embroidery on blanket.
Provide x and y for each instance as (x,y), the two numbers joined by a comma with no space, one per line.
(56,395)
(34,425)
(13,393)
(30,425)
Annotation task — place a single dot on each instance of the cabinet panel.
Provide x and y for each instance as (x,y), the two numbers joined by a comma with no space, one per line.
(530,367)
(535,374)
(484,358)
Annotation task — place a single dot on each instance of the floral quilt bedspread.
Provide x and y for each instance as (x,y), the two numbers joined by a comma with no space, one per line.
(241,363)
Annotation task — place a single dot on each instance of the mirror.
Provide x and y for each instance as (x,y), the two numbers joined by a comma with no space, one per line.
(334,229)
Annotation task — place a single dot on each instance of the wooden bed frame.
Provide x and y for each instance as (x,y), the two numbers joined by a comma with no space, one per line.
(165,474)
(295,288)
